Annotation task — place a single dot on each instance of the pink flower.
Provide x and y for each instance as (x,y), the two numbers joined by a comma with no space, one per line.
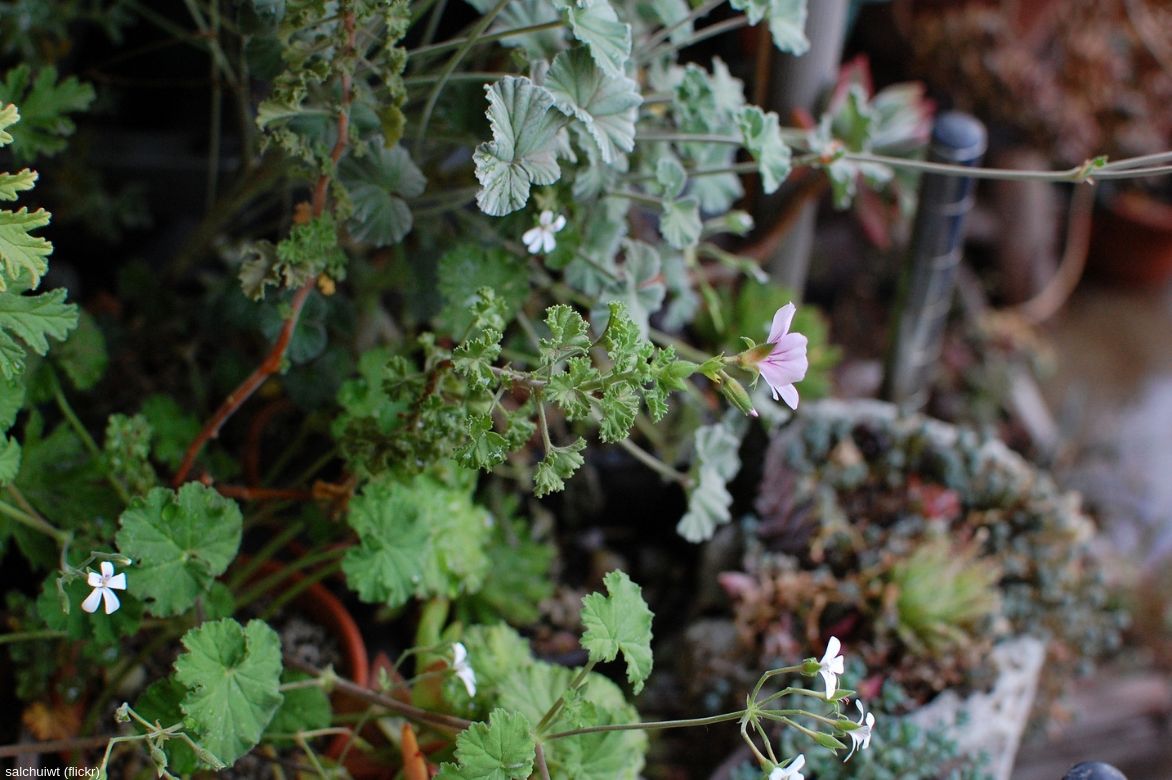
(786,363)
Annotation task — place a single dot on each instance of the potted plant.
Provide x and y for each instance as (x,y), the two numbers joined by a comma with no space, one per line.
(459,248)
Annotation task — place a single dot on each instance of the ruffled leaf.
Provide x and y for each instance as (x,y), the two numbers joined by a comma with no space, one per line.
(619,622)
(606,105)
(523,146)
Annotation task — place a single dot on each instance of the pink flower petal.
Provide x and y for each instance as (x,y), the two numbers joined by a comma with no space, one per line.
(781,322)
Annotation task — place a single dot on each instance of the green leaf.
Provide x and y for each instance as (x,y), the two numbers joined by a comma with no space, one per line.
(179,542)
(569,335)
(127,449)
(558,465)
(474,359)
(539,45)
(467,268)
(619,405)
(787,21)
(33,319)
(485,448)
(12,183)
(416,538)
(619,622)
(523,146)
(628,350)
(100,629)
(521,578)
(639,288)
(566,389)
(671,176)
(9,459)
(83,355)
(609,40)
(763,140)
(310,249)
(606,105)
(9,116)
(11,401)
(715,463)
(44,106)
(378,183)
(501,749)
(173,428)
(303,709)
(22,255)
(232,673)
(161,703)
(680,222)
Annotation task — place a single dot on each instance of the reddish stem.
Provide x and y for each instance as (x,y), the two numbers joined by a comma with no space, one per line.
(264,494)
(272,361)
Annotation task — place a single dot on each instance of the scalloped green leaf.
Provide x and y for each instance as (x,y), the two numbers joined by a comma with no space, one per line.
(33,319)
(523,147)
(558,465)
(12,183)
(787,21)
(597,25)
(619,622)
(502,749)
(679,222)
(715,463)
(233,675)
(179,542)
(378,184)
(23,255)
(606,105)
(762,134)
(44,104)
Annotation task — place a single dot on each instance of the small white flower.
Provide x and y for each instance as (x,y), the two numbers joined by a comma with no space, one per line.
(861,737)
(831,665)
(462,668)
(104,585)
(540,240)
(792,771)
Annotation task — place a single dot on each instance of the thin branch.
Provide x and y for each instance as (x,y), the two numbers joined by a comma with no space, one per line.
(54,745)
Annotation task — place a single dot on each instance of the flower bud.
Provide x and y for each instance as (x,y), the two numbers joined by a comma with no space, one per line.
(827,741)
(736,393)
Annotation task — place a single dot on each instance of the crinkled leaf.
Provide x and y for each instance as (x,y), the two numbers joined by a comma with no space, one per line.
(521,578)
(501,749)
(619,405)
(232,673)
(558,465)
(522,150)
(485,448)
(598,26)
(568,389)
(680,222)
(23,255)
(628,350)
(762,136)
(474,359)
(33,319)
(569,334)
(11,401)
(539,45)
(378,184)
(672,13)
(416,538)
(8,117)
(172,428)
(179,542)
(619,622)
(605,104)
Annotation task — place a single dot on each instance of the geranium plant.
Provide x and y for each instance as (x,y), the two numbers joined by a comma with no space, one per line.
(488,254)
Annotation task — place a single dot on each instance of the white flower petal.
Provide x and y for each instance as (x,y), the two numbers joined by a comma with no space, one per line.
(548,242)
(93,579)
(111,600)
(118,582)
(91,601)
(107,569)
(558,223)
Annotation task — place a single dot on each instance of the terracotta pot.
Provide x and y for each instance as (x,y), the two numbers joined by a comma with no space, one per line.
(1131,240)
(325,609)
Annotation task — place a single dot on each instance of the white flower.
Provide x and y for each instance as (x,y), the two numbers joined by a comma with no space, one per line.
(791,772)
(861,737)
(831,665)
(462,668)
(104,585)
(540,240)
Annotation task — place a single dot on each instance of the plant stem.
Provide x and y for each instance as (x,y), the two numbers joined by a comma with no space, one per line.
(1123,169)
(54,745)
(556,707)
(472,75)
(738,168)
(711,31)
(689,138)
(473,39)
(298,587)
(654,725)
(662,34)
(654,463)
(30,636)
(33,522)
(266,583)
(539,757)
(465,45)
(266,552)
(682,348)
(88,441)
(638,197)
